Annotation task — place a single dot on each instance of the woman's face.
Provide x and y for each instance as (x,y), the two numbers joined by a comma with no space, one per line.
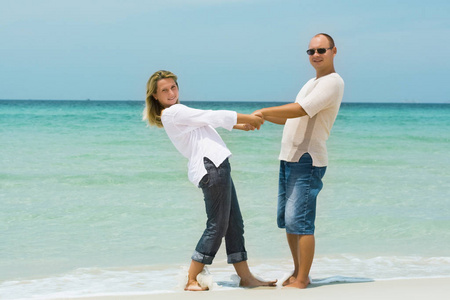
(166,92)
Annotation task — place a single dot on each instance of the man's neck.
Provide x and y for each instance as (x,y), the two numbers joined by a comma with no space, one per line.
(324,73)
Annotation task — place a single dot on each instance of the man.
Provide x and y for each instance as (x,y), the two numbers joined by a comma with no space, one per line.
(303,157)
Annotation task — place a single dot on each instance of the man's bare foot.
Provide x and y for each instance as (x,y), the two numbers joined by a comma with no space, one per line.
(254,282)
(290,280)
(194,286)
(299,284)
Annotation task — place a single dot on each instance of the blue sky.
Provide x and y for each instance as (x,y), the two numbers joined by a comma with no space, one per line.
(230,50)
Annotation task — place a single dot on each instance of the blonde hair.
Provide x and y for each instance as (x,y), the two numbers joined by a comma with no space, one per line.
(153,109)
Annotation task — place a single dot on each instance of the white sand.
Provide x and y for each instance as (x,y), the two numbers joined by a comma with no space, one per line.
(433,289)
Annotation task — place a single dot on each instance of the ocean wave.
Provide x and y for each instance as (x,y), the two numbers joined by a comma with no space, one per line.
(86,282)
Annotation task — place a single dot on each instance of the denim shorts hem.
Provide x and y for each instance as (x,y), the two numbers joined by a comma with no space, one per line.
(309,232)
(237,257)
(301,233)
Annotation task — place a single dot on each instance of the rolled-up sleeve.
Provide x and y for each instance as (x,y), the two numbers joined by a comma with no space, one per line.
(322,96)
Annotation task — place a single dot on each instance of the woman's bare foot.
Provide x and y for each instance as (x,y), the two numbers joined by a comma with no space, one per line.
(299,284)
(254,282)
(194,286)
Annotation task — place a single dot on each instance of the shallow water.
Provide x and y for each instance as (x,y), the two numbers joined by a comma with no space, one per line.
(88,192)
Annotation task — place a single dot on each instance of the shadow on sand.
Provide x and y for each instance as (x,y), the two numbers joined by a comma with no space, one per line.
(234,283)
(337,280)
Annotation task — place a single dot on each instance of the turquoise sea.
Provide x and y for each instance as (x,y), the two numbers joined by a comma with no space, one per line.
(94,202)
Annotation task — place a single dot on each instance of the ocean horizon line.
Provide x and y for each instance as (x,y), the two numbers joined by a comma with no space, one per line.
(229,101)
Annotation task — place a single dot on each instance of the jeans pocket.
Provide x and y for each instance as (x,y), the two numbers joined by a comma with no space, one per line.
(204,182)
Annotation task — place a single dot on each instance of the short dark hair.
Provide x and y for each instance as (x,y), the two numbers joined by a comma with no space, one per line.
(329,38)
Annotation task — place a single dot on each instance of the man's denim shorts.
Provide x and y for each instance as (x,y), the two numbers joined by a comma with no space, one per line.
(299,184)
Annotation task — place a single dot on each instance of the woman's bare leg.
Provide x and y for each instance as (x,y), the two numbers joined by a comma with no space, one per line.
(192,284)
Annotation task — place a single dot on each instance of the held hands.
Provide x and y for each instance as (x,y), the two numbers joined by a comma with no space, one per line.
(245,127)
(256,121)
(258,113)
(248,122)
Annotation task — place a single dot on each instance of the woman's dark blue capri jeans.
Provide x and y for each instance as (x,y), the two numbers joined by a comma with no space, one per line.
(224,216)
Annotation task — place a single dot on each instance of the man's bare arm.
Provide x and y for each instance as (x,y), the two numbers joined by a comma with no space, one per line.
(279,114)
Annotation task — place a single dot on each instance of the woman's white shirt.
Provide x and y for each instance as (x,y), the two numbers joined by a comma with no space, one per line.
(192,133)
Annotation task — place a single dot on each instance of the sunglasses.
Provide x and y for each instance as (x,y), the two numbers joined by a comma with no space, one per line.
(320,50)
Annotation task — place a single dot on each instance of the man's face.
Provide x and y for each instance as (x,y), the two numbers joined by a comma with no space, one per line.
(321,61)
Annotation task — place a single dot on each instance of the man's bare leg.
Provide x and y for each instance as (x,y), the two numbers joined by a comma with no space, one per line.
(293,241)
(306,245)
(247,278)
(192,284)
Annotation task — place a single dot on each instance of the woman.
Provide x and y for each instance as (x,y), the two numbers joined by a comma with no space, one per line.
(192,133)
